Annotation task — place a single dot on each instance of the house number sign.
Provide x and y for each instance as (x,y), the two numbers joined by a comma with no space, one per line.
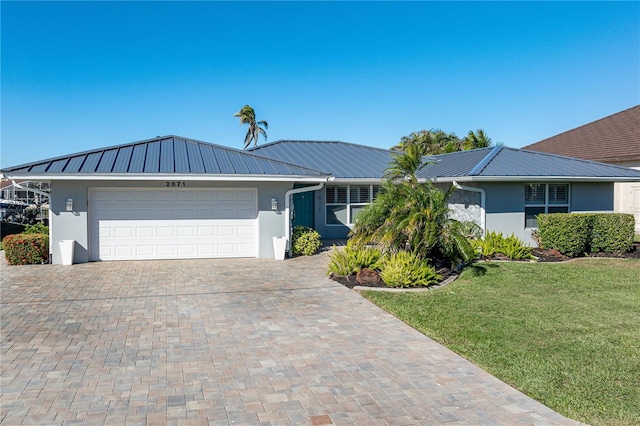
(176,184)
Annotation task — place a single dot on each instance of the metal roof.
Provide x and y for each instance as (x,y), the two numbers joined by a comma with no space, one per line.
(173,155)
(340,159)
(162,155)
(503,163)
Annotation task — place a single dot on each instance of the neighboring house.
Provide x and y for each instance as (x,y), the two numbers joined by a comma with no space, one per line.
(171,197)
(614,139)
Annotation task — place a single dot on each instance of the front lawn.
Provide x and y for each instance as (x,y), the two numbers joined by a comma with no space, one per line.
(568,334)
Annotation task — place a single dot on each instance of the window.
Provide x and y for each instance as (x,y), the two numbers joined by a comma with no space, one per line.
(345,202)
(544,198)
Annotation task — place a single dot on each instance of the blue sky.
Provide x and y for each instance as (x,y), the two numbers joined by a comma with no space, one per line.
(83,75)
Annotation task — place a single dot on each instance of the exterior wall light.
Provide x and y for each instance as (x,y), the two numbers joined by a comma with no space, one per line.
(274,204)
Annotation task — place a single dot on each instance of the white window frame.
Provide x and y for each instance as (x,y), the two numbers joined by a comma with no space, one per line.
(546,205)
(348,205)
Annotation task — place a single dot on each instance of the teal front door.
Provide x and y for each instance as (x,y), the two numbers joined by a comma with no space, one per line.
(303,209)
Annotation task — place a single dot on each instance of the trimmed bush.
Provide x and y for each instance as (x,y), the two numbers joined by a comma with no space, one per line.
(573,234)
(566,232)
(352,258)
(612,233)
(305,241)
(26,249)
(406,269)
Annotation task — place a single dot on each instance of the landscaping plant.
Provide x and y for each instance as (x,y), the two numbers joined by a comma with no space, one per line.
(573,234)
(26,249)
(352,258)
(412,216)
(511,246)
(406,269)
(305,241)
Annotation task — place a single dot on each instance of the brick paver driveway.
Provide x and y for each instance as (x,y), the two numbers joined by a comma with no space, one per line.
(243,341)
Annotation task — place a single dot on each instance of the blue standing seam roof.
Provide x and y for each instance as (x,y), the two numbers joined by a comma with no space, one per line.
(340,159)
(175,155)
(166,155)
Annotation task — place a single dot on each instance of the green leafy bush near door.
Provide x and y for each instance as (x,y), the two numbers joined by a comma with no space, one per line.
(305,241)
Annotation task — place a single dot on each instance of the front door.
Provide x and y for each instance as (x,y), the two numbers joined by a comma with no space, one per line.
(303,209)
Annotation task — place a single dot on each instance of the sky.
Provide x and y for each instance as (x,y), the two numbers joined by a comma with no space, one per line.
(81,75)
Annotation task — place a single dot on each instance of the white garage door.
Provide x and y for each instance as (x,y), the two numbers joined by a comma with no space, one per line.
(140,224)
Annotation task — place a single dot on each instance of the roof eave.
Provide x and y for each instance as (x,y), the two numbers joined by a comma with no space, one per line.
(448,179)
(165,177)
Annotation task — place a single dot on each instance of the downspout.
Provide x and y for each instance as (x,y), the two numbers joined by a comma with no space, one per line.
(482,201)
(287,210)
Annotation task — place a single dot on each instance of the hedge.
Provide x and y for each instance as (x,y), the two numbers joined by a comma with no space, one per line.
(612,233)
(26,249)
(573,234)
(566,232)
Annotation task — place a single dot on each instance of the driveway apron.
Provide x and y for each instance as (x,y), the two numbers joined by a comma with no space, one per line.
(242,341)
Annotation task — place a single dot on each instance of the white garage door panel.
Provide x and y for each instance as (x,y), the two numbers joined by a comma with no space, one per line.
(173,224)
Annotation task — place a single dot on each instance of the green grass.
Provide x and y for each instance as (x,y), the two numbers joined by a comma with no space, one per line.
(566,334)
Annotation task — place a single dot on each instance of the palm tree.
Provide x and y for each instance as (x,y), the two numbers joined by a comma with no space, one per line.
(407,164)
(477,139)
(416,219)
(248,116)
(433,142)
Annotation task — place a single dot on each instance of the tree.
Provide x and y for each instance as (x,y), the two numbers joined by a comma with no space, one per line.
(477,139)
(256,128)
(407,164)
(437,141)
(433,142)
(413,216)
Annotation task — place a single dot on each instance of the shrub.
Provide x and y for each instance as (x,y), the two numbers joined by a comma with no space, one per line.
(566,232)
(36,229)
(352,258)
(511,246)
(26,249)
(573,234)
(612,232)
(406,269)
(305,241)
(515,249)
(490,244)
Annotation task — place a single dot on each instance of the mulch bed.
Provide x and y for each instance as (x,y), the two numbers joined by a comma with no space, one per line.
(541,254)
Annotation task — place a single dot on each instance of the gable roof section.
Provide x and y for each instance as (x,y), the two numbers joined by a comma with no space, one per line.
(340,159)
(167,155)
(609,139)
(510,164)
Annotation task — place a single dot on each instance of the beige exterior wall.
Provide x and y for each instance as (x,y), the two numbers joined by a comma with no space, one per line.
(627,195)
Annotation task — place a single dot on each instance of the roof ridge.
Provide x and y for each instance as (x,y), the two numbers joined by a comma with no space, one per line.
(477,169)
(320,142)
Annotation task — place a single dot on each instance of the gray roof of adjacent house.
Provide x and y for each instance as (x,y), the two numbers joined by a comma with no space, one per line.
(503,163)
(340,159)
(166,155)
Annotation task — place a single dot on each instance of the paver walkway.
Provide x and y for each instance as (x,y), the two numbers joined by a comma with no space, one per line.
(243,341)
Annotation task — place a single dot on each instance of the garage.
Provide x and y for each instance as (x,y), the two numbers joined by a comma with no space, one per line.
(176,223)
